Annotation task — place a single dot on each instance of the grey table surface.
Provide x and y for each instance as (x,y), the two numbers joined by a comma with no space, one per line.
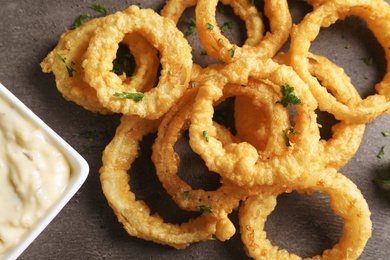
(87,228)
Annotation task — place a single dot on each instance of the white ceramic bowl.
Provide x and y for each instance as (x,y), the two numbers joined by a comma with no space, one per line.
(79,166)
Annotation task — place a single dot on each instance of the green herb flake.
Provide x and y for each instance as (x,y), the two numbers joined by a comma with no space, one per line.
(69,67)
(386,133)
(98,8)
(185,194)
(288,96)
(206,135)
(137,97)
(203,52)
(381,153)
(286,139)
(232,51)
(209,26)
(79,20)
(348,45)
(292,131)
(382,181)
(225,26)
(368,61)
(222,11)
(205,209)
(252,2)
(191,27)
(89,135)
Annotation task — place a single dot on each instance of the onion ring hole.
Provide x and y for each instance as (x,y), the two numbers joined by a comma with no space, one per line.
(366,54)
(319,228)
(192,168)
(147,187)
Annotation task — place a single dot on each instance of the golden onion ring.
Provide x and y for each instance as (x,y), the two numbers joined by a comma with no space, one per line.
(218,46)
(376,14)
(241,163)
(176,61)
(346,137)
(221,201)
(118,157)
(173,9)
(256,123)
(72,46)
(346,201)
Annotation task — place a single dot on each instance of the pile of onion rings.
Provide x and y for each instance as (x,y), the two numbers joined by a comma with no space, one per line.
(273,145)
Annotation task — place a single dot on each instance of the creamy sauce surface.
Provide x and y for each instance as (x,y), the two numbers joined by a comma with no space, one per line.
(33,175)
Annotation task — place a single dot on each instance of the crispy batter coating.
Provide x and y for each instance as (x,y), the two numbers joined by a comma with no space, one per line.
(175,59)
(362,111)
(219,47)
(346,201)
(72,47)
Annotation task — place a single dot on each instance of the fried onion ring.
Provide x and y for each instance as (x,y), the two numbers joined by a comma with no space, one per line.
(241,163)
(346,137)
(218,46)
(346,201)
(72,46)
(255,123)
(376,14)
(242,8)
(134,214)
(176,61)
(221,201)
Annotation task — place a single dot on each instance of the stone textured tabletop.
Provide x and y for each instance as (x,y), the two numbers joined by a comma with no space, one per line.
(87,228)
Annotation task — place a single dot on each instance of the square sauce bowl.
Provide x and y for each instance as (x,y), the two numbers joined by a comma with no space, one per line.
(34,186)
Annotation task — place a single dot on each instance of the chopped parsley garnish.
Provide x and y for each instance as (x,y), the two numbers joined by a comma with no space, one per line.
(89,135)
(137,97)
(288,96)
(209,26)
(348,45)
(386,133)
(69,67)
(191,27)
(205,209)
(225,26)
(383,181)
(124,61)
(222,11)
(206,135)
(232,51)
(185,194)
(286,139)
(290,130)
(203,52)
(381,152)
(98,8)
(368,61)
(79,20)
(252,2)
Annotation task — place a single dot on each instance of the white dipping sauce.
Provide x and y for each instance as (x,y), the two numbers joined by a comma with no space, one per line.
(33,175)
